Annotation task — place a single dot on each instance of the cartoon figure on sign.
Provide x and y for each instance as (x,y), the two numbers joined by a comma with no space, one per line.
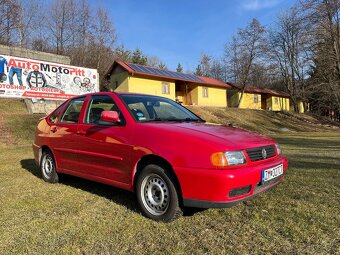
(3,62)
(87,85)
(36,79)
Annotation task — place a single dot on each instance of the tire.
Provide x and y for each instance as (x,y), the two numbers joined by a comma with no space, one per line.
(48,167)
(157,195)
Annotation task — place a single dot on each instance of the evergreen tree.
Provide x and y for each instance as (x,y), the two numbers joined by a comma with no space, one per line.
(138,57)
(179,68)
(162,66)
(199,70)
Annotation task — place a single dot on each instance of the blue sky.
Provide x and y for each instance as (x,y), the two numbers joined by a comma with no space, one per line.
(180,31)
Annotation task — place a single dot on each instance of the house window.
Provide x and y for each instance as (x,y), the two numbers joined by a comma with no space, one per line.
(205,92)
(256,99)
(276,100)
(165,88)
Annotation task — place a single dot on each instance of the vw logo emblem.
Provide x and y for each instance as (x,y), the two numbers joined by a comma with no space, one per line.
(264,153)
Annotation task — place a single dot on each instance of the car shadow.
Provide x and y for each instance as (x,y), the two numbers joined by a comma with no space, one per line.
(116,195)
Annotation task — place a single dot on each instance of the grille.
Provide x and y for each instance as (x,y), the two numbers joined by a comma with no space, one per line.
(255,154)
(239,191)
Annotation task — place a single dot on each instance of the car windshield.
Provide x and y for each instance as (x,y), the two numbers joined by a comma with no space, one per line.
(146,108)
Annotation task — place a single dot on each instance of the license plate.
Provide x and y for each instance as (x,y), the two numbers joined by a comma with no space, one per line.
(272,173)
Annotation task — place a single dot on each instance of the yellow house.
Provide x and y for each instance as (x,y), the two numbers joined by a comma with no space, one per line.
(188,89)
(302,106)
(257,98)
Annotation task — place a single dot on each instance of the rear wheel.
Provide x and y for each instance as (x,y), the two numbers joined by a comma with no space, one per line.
(48,167)
(157,194)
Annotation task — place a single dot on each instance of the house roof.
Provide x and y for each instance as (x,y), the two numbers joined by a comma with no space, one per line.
(254,89)
(149,71)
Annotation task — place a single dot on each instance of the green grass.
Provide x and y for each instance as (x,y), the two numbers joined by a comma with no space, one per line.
(75,216)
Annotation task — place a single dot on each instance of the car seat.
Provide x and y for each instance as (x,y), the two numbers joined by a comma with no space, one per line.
(95,114)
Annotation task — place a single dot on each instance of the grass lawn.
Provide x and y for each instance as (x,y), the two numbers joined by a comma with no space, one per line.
(300,216)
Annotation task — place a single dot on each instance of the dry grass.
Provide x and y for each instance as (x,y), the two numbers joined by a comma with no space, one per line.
(266,121)
(300,216)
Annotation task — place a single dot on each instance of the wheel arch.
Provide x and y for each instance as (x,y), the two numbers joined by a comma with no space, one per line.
(46,148)
(159,161)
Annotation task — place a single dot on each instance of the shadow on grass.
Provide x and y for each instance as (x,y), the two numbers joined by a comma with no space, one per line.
(311,143)
(116,195)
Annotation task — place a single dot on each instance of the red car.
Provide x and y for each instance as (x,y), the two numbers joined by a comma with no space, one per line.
(157,148)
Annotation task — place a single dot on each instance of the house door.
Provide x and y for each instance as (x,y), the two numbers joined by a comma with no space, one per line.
(263,102)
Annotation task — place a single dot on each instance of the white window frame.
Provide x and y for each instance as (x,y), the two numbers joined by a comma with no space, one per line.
(166,88)
(205,92)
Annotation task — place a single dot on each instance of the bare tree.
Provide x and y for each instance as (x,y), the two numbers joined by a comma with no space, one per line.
(203,67)
(8,20)
(288,51)
(101,42)
(122,54)
(244,52)
(59,23)
(27,22)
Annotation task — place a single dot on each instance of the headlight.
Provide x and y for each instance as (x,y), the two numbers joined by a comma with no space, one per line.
(230,158)
(278,148)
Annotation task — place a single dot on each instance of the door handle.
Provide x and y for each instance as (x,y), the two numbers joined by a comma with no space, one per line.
(81,132)
(54,129)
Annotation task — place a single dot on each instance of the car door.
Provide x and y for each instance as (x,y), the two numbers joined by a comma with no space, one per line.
(63,136)
(106,149)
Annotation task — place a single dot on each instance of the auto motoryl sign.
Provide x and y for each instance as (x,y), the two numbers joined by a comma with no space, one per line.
(27,78)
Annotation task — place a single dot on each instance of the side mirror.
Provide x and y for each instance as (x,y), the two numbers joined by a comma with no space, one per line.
(110,116)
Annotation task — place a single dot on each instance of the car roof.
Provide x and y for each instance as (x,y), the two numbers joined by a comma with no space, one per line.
(115,92)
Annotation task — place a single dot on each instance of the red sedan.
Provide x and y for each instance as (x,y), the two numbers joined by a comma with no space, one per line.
(157,148)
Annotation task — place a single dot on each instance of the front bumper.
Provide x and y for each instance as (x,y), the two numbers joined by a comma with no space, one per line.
(208,188)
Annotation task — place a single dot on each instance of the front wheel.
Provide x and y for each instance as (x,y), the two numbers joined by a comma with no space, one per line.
(157,195)
(48,167)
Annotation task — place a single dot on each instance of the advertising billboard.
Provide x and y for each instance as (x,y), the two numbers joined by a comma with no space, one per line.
(27,78)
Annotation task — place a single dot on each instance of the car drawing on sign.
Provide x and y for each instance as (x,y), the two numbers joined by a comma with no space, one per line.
(153,146)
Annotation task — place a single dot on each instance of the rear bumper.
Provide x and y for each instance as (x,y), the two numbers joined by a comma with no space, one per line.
(36,152)
(209,188)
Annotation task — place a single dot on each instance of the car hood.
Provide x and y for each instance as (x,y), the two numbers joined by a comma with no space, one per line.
(234,137)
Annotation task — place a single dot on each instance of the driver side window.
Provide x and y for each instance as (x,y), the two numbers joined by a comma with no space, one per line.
(97,105)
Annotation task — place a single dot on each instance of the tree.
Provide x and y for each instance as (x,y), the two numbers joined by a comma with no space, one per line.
(205,63)
(323,20)
(288,46)
(243,52)
(27,21)
(199,70)
(217,70)
(8,20)
(122,54)
(179,68)
(138,57)
(162,66)
(59,23)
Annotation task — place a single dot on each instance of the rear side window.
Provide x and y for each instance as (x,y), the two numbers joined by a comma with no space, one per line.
(71,114)
(54,116)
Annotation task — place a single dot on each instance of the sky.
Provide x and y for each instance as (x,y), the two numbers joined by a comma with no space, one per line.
(181,31)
